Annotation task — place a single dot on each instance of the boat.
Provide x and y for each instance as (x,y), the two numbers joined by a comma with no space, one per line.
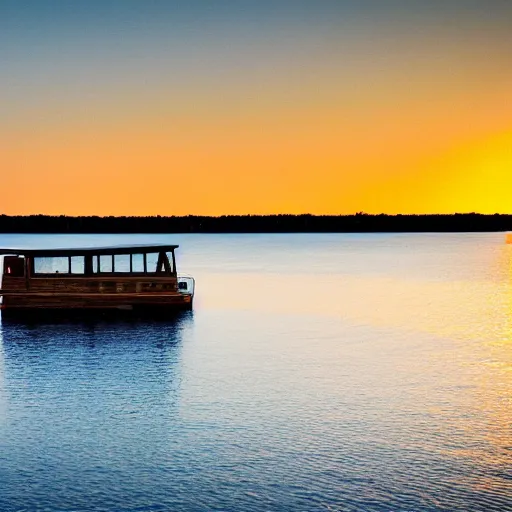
(141,278)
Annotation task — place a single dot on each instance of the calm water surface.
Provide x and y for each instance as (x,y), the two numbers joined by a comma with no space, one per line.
(316,373)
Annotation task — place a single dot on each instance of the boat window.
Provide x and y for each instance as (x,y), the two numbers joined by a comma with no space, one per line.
(51,265)
(106,263)
(152,261)
(137,263)
(122,263)
(95,264)
(77,265)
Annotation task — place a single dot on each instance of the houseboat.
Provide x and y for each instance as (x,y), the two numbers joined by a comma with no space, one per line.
(126,277)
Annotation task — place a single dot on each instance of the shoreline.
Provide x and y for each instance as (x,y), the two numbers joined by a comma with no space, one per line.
(358,223)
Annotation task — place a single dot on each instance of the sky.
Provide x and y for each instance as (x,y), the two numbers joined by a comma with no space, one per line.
(203,107)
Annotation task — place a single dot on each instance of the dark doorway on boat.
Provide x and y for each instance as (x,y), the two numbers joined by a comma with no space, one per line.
(14,266)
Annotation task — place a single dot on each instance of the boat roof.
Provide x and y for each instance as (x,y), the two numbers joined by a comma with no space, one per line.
(80,251)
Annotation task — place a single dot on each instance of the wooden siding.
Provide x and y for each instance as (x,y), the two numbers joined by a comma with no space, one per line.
(91,284)
(95,292)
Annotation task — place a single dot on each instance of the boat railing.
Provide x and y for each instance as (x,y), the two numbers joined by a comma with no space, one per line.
(186,284)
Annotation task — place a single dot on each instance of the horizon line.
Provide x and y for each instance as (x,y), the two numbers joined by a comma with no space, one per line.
(361,213)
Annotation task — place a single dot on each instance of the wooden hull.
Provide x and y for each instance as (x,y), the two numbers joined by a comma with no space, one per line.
(58,315)
(126,294)
(95,301)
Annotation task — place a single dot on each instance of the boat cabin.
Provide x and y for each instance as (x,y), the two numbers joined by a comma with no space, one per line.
(119,277)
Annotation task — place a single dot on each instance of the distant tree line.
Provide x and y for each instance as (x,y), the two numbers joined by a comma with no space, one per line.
(358,223)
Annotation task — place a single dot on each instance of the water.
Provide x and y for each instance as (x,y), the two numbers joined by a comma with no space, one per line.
(316,372)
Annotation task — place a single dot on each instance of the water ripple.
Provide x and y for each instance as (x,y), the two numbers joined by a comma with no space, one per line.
(258,402)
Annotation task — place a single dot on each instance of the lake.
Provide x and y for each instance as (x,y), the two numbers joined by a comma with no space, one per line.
(317,372)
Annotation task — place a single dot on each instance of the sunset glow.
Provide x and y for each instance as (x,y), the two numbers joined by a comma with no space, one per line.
(128,108)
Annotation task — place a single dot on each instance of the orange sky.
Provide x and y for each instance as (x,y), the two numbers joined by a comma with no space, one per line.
(322,120)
